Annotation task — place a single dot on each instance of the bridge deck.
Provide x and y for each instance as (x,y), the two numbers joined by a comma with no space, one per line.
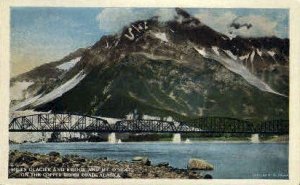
(81,123)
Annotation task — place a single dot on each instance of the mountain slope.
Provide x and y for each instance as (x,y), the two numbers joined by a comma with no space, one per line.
(179,90)
(180,68)
(30,86)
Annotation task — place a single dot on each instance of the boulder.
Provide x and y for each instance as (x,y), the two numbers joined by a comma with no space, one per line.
(199,164)
(163,164)
(207,176)
(142,160)
(24,165)
(24,159)
(36,164)
(54,154)
(58,160)
(44,160)
(125,175)
(65,160)
(79,159)
(193,175)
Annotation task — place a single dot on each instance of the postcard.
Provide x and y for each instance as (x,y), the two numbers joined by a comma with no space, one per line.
(115,92)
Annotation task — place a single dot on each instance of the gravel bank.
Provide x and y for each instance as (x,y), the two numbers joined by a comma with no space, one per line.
(53,165)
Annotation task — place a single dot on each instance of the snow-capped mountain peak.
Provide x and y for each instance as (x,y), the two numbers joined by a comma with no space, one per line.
(179,68)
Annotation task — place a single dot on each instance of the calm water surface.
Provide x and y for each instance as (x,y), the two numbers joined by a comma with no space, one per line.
(231,160)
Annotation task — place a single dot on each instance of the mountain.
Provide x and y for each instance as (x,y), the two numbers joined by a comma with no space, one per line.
(41,79)
(179,68)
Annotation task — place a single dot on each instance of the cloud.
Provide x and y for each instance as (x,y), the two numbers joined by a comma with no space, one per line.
(217,21)
(165,14)
(261,26)
(272,23)
(112,20)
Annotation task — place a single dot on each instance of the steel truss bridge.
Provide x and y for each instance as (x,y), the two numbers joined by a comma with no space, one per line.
(49,122)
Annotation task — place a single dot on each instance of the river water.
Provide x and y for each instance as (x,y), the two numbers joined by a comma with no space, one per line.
(230,160)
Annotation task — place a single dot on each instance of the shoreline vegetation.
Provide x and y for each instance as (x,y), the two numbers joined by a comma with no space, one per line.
(53,165)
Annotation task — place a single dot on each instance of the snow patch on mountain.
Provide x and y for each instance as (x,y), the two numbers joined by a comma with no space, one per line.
(259,52)
(171,95)
(248,76)
(133,95)
(107,88)
(130,36)
(216,50)
(271,53)
(244,72)
(201,51)
(244,57)
(61,89)
(229,53)
(69,65)
(252,56)
(44,98)
(17,90)
(26,102)
(161,36)
(231,36)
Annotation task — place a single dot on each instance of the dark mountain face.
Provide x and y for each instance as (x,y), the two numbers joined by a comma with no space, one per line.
(180,68)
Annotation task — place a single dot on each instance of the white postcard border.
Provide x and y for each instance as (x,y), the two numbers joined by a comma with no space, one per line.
(294,98)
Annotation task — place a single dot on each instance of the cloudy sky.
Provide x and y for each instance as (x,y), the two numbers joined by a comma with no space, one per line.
(40,35)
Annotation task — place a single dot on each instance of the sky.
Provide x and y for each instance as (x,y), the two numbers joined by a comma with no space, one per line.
(40,35)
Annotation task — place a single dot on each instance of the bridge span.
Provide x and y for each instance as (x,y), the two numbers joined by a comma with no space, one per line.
(63,122)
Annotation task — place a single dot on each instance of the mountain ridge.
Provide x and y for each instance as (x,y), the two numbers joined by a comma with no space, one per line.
(126,72)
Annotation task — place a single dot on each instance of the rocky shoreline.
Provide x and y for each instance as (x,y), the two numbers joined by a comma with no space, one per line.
(54,165)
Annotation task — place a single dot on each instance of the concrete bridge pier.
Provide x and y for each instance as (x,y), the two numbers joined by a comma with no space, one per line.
(255,138)
(176,138)
(112,137)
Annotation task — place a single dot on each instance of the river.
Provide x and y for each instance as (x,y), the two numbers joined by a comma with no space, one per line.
(230,160)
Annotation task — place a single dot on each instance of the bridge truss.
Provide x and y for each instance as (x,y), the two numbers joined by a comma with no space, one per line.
(48,122)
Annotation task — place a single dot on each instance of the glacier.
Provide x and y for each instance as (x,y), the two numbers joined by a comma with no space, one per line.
(59,91)
(68,65)
(17,90)
(241,70)
(161,36)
